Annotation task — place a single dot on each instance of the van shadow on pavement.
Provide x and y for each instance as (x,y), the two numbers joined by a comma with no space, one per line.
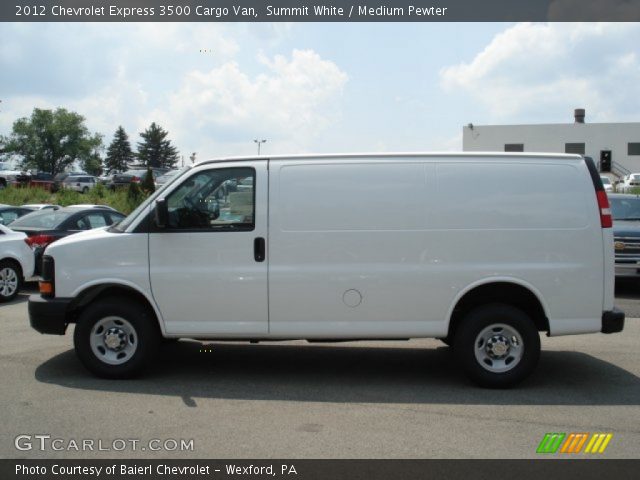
(312,373)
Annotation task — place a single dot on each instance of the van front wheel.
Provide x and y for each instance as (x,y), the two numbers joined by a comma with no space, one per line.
(497,345)
(116,338)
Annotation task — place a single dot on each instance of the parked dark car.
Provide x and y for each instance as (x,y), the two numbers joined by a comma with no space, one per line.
(8,214)
(120,180)
(625,209)
(46,226)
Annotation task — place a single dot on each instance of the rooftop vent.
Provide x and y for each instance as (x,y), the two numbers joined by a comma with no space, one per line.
(578,114)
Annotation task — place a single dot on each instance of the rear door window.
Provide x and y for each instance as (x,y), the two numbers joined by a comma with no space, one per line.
(89,222)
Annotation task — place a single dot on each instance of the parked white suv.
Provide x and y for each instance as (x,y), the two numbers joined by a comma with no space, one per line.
(79,183)
(345,247)
(606,183)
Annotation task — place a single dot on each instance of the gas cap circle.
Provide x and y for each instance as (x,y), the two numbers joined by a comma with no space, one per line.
(352,298)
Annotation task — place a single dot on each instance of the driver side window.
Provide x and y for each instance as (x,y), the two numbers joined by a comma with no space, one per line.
(217,199)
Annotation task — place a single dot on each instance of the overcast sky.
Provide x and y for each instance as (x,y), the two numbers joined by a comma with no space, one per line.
(319,87)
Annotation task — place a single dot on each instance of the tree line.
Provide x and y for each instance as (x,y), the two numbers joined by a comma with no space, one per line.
(52,140)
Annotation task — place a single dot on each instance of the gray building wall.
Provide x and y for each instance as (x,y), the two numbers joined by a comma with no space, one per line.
(551,138)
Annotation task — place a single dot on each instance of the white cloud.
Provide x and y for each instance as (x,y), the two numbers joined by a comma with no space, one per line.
(290,103)
(192,79)
(543,71)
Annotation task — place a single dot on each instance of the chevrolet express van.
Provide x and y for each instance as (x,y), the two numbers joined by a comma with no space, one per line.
(483,251)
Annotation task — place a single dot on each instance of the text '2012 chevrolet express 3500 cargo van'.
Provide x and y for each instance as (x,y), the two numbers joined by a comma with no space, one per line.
(483,251)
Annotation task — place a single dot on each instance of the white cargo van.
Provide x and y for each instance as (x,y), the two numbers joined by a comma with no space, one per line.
(483,251)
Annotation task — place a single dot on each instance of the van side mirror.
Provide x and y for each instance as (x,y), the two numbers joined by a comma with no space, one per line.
(161,213)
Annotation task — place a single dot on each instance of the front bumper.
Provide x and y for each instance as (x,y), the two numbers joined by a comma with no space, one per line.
(48,315)
(631,270)
(612,321)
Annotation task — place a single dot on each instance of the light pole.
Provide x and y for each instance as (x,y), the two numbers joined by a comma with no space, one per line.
(259,142)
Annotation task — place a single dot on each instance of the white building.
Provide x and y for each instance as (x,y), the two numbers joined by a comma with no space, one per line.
(620,140)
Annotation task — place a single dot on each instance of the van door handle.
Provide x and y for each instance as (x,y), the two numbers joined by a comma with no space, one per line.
(259,249)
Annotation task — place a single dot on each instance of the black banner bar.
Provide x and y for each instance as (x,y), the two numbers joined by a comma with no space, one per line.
(319,11)
(319,469)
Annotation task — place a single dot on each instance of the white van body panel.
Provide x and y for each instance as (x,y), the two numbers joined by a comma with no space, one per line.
(367,246)
(98,257)
(404,238)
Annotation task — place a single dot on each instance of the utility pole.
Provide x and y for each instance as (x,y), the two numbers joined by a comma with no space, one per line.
(259,142)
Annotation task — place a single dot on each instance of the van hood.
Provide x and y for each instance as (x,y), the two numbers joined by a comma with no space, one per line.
(623,228)
(79,237)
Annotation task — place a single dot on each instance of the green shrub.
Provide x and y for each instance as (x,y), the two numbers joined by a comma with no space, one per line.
(123,200)
(135,196)
(19,196)
(148,186)
(97,193)
(66,197)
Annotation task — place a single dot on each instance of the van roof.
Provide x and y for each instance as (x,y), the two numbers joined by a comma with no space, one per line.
(338,156)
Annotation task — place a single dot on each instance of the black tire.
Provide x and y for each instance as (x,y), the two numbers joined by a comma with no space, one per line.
(85,190)
(141,348)
(10,280)
(508,368)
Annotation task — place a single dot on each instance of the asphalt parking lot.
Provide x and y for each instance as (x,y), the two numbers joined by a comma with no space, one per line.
(295,400)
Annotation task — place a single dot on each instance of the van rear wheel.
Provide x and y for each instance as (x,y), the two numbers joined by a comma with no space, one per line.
(116,338)
(497,345)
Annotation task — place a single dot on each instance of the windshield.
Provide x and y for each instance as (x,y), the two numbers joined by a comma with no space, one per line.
(626,208)
(605,180)
(124,224)
(168,175)
(134,173)
(42,219)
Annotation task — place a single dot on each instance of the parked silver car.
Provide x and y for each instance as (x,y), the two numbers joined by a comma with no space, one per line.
(79,183)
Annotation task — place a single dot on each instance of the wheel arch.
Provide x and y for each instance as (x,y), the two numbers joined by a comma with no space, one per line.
(13,259)
(508,291)
(94,292)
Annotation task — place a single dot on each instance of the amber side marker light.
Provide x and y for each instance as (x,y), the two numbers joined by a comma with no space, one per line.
(46,288)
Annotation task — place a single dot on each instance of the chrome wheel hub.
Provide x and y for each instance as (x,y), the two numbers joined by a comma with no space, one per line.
(499,348)
(113,340)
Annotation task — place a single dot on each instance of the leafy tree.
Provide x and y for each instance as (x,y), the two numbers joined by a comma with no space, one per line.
(51,140)
(93,164)
(119,153)
(155,150)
